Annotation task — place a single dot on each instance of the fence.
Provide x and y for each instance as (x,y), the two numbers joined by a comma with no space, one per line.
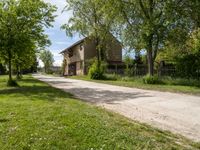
(141,70)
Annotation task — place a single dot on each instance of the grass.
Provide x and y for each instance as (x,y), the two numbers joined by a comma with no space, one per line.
(37,116)
(170,85)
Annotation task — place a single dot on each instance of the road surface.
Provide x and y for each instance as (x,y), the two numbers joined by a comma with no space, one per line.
(178,113)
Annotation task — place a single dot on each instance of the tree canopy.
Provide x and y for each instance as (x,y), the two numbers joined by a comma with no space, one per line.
(22,24)
(151,25)
(89,20)
(47,58)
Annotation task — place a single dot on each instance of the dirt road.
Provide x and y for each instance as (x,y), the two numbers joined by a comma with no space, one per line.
(178,113)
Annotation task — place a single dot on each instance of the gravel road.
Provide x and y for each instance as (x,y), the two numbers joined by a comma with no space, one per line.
(178,113)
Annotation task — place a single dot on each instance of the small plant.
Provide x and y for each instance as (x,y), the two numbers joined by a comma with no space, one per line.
(113,77)
(127,79)
(97,72)
(12,83)
(151,79)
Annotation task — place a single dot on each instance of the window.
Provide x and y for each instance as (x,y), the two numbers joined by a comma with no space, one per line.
(81,47)
(70,53)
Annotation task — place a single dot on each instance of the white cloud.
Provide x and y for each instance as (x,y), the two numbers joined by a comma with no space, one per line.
(62,17)
(57,63)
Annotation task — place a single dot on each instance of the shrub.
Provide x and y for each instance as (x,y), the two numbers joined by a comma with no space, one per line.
(127,79)
(12,83)
(188,66)
(96,72)
(151,80)
(129,71)
(113,77)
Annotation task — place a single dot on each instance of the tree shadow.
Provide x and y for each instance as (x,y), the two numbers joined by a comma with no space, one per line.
(36,92)
(104,96)
(60,82)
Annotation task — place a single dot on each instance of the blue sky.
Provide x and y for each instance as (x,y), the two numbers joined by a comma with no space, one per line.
(57,36)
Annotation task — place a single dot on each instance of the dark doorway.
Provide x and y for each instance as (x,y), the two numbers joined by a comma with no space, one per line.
(72,69)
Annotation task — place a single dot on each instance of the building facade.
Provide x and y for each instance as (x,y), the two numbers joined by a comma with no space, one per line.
(76,56)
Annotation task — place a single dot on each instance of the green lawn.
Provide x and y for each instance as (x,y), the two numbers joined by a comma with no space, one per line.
(37,116)
(177,86)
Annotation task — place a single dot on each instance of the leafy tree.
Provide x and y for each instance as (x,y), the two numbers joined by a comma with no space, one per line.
(21,29)
(24,61)
(190,10)
(129,62)
(47,58)
(2,69)
(145,24)
(90,21)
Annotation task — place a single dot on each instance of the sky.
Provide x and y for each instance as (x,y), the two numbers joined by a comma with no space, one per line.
(57,36)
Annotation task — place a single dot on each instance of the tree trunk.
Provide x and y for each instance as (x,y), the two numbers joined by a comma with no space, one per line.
(19,75)
(150,58)
(98,52)
(150,63)
(10,67)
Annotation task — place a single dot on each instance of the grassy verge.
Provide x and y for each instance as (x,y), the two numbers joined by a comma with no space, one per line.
(37,116)
(176,85)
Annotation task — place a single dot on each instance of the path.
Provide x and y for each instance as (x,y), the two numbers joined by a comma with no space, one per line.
(178,113)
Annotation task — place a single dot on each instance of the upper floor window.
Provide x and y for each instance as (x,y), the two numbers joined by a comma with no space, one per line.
(70,53)
(81,47)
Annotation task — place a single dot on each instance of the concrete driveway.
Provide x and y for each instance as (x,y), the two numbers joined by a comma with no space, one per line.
(178,113)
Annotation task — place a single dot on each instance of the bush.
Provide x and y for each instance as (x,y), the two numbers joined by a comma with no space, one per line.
(188,66)
(151,80)
(113,77)
(12,83)
(181,81)
(96,72)
(129,72)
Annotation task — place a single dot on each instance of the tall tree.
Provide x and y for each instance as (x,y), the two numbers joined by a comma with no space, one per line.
(145,24)
(47,59)
(22,25)
(89,21)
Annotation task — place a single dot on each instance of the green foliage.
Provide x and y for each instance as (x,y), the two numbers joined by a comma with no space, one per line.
(97,70)
(113,77)
(90,62)
(47,58)
(89,20)
(22,25)
(129,62)
(181,81)
(145,25)
(129,79)
(148,79)
(188,66)
(168,84)
(2,69)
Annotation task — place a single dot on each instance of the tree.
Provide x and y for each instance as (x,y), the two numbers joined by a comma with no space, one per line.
(47,59)
(24,61)
(145,24)
(90,21)
(21,29)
